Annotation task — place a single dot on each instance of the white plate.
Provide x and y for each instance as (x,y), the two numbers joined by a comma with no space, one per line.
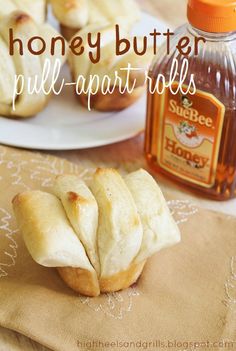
(65,125)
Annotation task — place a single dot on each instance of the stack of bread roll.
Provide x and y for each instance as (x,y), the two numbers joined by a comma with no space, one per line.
(26,18)
(99,237)
(74,15)
(115,94)
(27,66)
(81,17)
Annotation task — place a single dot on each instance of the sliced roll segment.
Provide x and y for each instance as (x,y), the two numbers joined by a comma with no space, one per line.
(47,232)
(119,227)
(82,210)
(159,228)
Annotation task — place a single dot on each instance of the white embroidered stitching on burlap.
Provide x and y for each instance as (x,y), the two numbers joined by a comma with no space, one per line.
(181,210)
(9,233)
(17,175)
(115,305)
(15,168)
(46,165)
(38,166)
(230,286)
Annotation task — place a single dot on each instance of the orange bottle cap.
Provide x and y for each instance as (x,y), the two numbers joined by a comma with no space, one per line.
(215,16)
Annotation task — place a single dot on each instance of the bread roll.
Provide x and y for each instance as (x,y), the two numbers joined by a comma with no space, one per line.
(122,280)
(35,8)
(47,232)
(119,227)
(133,223)
(82,210)
(29,66)
(74,15)
(24,27)
(159,228)
(117,95)
(8,71)
(82,282)
(52,242)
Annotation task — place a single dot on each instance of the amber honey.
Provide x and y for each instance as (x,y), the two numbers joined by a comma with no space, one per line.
(192,138)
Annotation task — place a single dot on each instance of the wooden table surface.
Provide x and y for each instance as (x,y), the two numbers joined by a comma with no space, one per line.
(173,12)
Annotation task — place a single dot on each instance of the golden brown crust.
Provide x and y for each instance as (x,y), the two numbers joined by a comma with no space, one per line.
(122,280)
(74,197)
(21,17)
(35,9)
(68,32)
(80,280)
(112,102)
(86,283)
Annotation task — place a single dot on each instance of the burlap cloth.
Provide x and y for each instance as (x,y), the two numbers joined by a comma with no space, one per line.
(186,295)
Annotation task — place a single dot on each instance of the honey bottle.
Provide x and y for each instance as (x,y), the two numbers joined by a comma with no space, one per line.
(191,137)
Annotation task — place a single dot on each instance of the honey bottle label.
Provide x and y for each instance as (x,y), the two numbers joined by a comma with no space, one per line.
(190,129)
